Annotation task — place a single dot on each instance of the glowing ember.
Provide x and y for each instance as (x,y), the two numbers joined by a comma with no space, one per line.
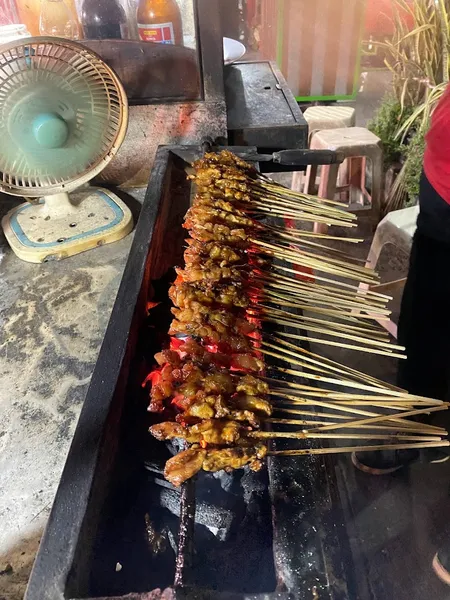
(154,377)
(151,305)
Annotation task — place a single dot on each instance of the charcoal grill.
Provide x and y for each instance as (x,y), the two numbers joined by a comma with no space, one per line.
(118,529)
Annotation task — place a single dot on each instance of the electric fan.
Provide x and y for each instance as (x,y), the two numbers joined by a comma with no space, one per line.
(63,116)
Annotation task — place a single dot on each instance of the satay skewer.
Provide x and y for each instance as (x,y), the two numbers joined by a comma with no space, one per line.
(349,449)
(306,435)
(391,422)
(326,342)
(306,322)
(328,364)
(372,420)
(312,426)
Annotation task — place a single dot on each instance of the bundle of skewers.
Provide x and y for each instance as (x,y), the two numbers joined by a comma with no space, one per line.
(253,288)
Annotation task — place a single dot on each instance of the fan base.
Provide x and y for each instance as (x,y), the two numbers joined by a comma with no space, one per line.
(53,230)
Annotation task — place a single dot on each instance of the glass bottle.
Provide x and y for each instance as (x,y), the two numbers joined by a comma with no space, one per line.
(56,19)
(103,19)
(159,21)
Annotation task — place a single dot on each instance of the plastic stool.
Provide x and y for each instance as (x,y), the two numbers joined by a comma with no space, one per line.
(319,118)
(397,228)
(357,144)
(329,117)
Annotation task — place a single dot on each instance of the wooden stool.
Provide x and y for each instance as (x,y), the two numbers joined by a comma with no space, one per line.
(357,144)
(318,119)
(397,228)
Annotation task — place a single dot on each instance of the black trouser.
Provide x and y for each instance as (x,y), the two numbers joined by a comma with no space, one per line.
(424,325)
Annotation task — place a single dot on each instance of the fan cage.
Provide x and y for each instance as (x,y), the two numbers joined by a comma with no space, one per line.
(78,66)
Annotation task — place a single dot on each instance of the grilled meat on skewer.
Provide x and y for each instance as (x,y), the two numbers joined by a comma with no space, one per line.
(212,407)
(214,274)
(201,356)
(210,431)
(186,464)
(203,215)
(220,253)
(213,232)
(186,382)
(226,295)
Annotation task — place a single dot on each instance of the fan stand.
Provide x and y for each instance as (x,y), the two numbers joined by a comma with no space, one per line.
(60,226)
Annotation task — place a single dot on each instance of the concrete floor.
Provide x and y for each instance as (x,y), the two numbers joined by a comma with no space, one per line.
(53,318)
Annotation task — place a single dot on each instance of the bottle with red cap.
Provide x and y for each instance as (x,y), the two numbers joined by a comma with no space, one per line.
(159,21)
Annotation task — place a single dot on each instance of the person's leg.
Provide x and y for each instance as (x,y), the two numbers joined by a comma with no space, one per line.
(424,325)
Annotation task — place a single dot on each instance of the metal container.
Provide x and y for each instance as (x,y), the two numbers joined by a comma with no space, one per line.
(118,529)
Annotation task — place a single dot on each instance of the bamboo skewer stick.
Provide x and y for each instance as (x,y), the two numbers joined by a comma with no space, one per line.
(385,427)
(295,401)
(308,413)
(379,351)
(293,251)
(260,198)
(345,369)
(312,304)
(329,365)
(329,312)
(349,449)
(297,291)
(300,216)
(307,364)
(363,320)
(334,261)
(386,393)
(369,333)
(278,196)
(396,421)
(265,435)
(301,295)
(320,295)
(283,193)
(332,329)
(371,420)
(299,213)
(321,236)
(307,291)
(315,302)
(316,288)
(355,290)
(303,259)
(350,346)
(334,282)
(392,404)
(276,421)
(304,323)
(276,188)
(305,396)
(322,403)
(292,235)
(350,410)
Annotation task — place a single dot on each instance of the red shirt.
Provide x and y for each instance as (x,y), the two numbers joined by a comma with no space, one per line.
(437,151)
